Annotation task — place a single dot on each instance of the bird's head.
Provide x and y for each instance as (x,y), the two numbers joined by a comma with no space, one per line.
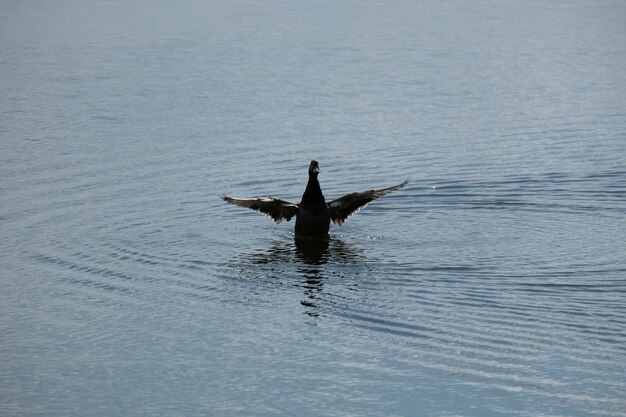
(314,168)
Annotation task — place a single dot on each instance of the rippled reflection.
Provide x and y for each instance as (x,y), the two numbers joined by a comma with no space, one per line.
(312,254)
(302,262)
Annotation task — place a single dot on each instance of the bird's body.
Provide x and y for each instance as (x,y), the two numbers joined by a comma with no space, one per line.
(313,219)
(313,213)
(314,224)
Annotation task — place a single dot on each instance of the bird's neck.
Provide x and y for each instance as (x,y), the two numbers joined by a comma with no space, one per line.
(313,194)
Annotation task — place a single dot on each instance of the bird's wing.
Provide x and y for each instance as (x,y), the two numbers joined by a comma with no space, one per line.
(275,208)
(343,207)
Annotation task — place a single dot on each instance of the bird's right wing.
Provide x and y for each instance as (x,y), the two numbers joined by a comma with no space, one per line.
(275,208)
(343,207)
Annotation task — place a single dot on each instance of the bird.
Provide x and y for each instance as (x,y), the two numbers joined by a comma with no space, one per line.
(313,214)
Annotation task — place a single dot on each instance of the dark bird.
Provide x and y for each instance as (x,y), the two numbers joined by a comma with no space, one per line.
(313,213)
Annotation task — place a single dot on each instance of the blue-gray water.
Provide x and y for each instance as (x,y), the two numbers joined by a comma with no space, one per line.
(493,284)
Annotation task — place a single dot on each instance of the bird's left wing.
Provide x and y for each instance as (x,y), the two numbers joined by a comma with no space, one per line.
(275,208)
(343,207)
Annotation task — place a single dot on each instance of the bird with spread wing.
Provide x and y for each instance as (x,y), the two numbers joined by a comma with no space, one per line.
(313,214)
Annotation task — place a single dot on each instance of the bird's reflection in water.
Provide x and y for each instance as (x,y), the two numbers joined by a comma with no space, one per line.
(313,254)
(314,261)
(312,251)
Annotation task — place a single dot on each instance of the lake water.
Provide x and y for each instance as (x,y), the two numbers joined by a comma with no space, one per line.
(493,284)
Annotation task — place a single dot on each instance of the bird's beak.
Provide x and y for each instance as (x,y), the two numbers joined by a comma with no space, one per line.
(316,169)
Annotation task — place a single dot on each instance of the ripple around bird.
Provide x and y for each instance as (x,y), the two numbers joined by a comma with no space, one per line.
(492,284)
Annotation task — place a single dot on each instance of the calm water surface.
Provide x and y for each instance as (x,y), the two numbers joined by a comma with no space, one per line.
(494,284)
